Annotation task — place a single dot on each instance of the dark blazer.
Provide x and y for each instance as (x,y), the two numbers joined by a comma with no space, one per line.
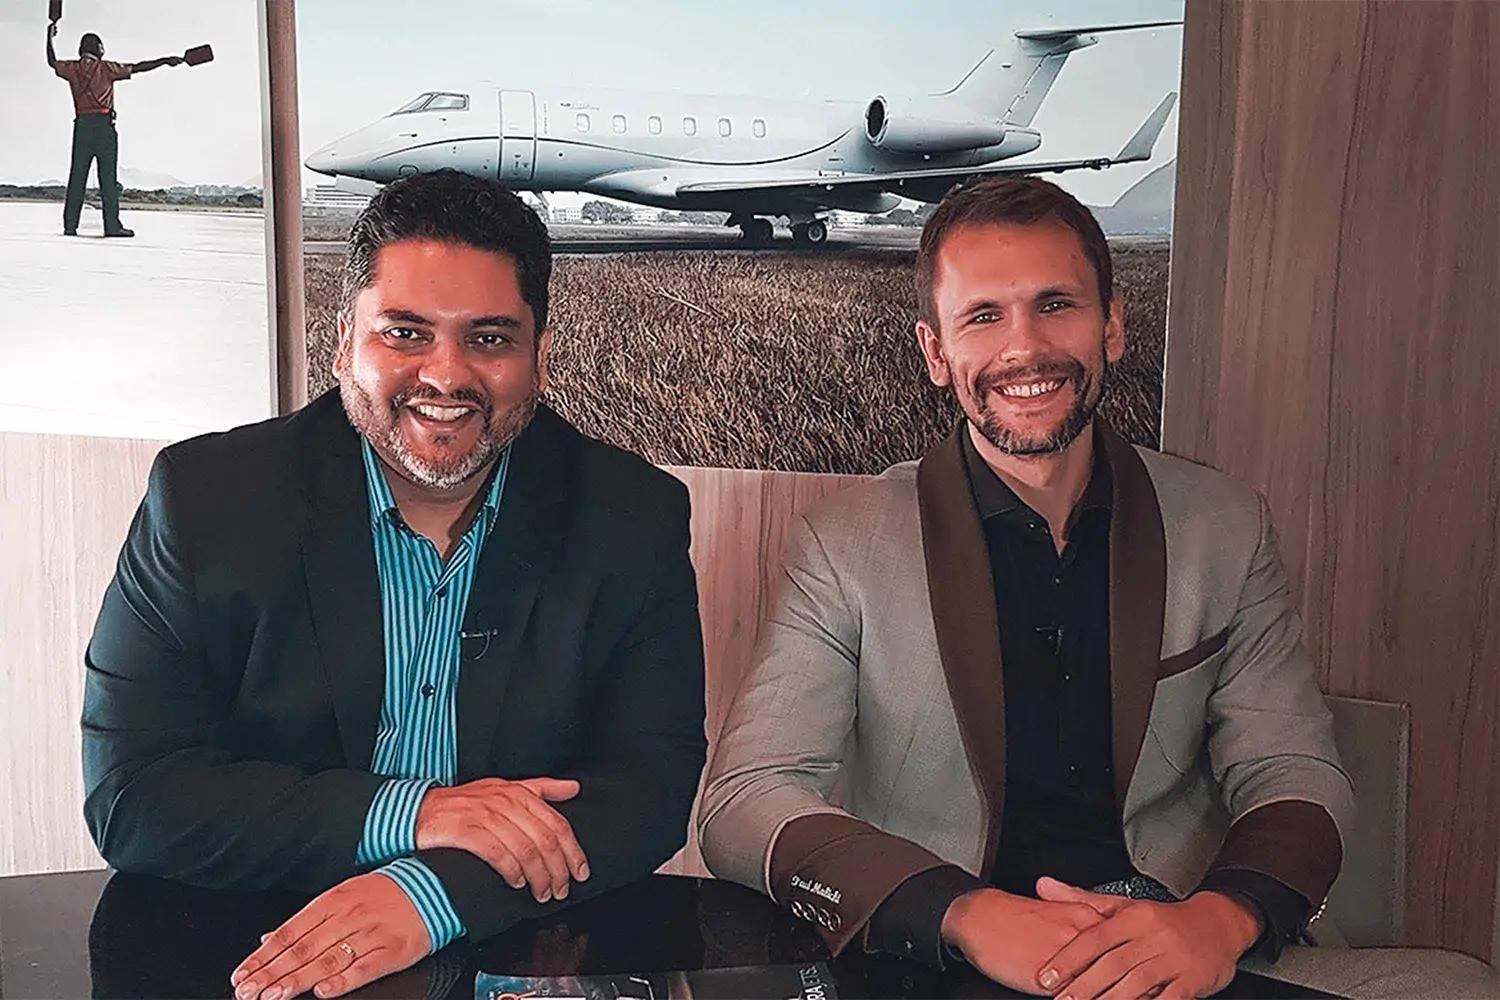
(236,673)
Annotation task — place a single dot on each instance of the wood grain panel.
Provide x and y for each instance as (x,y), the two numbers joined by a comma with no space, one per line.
(65,503)
(740,522)
(1348,367)
(282,164)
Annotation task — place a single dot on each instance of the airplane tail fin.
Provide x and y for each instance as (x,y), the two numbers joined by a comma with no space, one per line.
(1011,83)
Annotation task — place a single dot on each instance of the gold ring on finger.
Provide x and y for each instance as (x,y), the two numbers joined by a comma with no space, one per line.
(347,949)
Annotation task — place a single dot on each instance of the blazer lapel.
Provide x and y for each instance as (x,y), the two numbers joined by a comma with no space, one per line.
(520,551)
(342,582)
(962,594)
(1137,601)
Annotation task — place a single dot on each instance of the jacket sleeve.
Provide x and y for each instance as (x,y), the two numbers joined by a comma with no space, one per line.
(1271,741)
(644,758)
(163,794)
(766,820)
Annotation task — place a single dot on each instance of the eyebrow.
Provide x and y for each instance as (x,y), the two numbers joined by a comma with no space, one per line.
(1050,292)
(417,319)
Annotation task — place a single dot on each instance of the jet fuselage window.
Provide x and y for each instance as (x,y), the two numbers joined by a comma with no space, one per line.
(448,102)
(415,104)
(690,126)
(619,123)
(583,122)
(759,128)
(724,127)
(654,124)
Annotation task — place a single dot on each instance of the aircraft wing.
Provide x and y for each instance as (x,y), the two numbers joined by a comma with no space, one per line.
(913,182)
(1060,34)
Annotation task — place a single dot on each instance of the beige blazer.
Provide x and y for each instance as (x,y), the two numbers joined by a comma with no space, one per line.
(875,696)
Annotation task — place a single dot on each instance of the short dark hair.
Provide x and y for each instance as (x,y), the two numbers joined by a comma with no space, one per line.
(1014,200)
(451,207)
(90,44)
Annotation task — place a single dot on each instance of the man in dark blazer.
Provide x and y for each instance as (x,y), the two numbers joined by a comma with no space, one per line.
(430,653)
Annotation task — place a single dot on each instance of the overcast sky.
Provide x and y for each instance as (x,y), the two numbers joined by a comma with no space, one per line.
(198,124)
(359,59)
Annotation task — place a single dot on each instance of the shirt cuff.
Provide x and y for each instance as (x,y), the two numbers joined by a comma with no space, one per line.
(391,824)
(910,921)
(1283,911)
(427,894)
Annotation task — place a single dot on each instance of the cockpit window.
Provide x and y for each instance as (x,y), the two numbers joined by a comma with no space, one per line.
(415,104)
(448,102)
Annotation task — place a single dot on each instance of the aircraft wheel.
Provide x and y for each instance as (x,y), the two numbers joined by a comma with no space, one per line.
(816,231)
(756,230)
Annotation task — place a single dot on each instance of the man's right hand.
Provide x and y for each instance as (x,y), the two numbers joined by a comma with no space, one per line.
(510,825)
(1009,938)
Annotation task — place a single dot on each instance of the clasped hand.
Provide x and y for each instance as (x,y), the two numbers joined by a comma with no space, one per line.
(365,927)
(510,825)
(1080,945)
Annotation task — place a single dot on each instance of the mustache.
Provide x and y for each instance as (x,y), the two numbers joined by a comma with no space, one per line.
(427,393)
(1058,368)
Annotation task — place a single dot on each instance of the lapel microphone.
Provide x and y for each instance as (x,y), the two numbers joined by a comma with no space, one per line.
(473,645)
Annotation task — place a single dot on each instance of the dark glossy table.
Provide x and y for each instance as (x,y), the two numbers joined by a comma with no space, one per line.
(83,934)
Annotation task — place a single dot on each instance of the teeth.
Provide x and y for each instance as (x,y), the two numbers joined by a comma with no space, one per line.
(1029,389)
(440,412)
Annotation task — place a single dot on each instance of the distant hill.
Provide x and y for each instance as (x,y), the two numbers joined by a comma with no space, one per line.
(147,180)
(1145,209)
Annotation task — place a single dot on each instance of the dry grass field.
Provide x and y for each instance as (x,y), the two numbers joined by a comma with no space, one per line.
(792,361)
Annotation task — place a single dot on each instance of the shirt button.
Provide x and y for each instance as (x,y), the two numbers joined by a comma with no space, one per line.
(442,593)
(1067,678)
(428,690)
(1057,579)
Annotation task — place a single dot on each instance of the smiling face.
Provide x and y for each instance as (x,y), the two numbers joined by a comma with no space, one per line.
(1022,338)
(440,365)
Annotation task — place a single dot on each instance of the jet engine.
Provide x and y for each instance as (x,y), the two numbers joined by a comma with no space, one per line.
(920,125)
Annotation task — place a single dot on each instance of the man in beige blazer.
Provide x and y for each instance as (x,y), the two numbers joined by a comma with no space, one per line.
(1038,662)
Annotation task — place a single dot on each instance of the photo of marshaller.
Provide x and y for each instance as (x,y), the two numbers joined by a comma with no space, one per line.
(736,290)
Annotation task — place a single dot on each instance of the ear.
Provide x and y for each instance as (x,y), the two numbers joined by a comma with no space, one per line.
(932,352)
(1114,331)
(342,353)
(543,352)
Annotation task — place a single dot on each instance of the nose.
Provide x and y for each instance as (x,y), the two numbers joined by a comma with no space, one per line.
(445,366)
(324,161)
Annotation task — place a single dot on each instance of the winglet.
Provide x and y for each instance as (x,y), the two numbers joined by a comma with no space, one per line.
(1140,145)
(1061,34)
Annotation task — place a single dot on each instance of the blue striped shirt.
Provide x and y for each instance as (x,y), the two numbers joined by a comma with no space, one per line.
(416,744)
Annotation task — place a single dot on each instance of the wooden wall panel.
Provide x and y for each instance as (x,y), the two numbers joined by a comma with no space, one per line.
(65,503)
(1347,362)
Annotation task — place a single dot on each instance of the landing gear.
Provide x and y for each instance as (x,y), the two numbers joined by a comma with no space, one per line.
(755,230)
(810,233)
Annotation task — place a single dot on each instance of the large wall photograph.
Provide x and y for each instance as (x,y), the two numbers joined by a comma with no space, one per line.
(735,191)
(161,334)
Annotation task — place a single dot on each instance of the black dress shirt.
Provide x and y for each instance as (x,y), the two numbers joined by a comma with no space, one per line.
(1060,815)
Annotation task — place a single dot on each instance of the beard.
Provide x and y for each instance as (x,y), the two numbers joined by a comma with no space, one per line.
(1088,388)
(382,426)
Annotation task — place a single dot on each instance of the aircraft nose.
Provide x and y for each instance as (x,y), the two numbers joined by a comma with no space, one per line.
(324,161)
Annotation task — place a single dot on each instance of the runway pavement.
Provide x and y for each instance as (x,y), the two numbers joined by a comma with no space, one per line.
(163,336)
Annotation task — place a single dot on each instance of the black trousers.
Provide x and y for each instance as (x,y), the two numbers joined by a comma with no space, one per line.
(94,137)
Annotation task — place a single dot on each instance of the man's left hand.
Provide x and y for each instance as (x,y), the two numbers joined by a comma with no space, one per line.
(1186,949)
(353,934)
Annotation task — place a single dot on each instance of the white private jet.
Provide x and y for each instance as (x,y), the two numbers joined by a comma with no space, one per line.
(755,158)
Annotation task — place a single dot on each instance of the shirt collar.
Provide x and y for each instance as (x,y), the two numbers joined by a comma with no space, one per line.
(383,501)
(993,497)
